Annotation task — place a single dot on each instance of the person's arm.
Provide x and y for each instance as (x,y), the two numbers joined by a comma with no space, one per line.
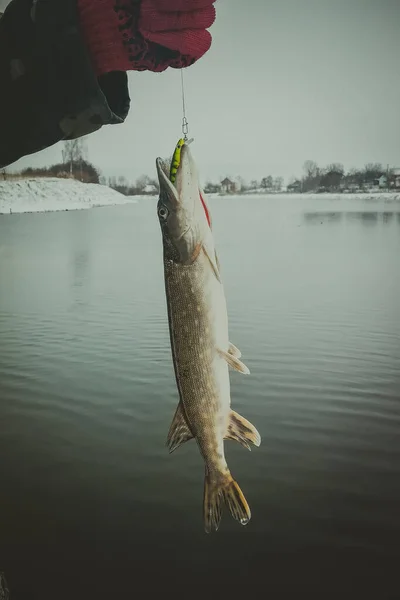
(63,64)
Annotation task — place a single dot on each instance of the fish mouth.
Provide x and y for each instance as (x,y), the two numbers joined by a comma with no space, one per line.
(166,186)
(183,177)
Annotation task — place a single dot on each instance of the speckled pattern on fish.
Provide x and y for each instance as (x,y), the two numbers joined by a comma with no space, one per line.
(201,349)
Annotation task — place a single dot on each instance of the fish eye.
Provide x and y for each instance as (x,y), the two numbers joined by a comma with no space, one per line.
(163,212)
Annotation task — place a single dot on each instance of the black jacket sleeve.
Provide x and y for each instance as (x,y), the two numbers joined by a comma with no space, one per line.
(48,89)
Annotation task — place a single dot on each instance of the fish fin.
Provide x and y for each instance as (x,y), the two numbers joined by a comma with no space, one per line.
(234,362)
(217,262)
(242,431)
(219,491)
(234,351)
(209,251)
(179,432)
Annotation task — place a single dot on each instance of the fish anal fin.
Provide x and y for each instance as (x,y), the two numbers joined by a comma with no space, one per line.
(234,362)
(234,351)
(179,432)
(242,431)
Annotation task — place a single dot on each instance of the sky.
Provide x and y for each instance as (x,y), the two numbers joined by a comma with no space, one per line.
(284,81)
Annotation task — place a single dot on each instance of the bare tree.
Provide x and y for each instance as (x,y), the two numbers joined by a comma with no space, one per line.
(335,168)
(267,182)
(311,169)
(312,176)
(142,182)
(74,152)
(122,181)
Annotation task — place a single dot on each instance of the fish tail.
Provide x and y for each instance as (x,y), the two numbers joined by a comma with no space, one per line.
(216,493)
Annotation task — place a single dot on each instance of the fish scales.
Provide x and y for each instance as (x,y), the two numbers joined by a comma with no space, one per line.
(201,350)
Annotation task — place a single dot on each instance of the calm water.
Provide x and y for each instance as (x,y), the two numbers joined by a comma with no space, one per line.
(92,505)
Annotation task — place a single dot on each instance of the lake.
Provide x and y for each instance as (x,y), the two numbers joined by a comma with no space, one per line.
(93,506)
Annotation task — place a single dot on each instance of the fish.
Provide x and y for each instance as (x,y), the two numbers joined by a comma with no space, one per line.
(201,350)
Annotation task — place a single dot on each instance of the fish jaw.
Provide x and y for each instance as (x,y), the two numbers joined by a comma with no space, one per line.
(182,211)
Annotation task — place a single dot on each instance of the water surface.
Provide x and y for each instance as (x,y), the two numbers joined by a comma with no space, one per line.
(92,505)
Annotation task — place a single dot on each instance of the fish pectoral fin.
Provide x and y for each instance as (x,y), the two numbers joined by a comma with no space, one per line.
(209,251)
(179,432)
(242,431)
(234,362)
(234,351)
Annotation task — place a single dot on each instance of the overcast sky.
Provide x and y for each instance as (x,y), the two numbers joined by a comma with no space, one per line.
(284,81)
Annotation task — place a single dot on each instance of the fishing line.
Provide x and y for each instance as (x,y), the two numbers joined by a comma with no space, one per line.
(185,123)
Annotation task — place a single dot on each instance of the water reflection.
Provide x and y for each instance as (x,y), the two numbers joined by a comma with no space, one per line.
(315,218)
(79,246)
(366,217)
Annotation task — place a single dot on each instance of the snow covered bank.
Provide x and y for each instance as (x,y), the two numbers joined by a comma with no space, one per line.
(52,194)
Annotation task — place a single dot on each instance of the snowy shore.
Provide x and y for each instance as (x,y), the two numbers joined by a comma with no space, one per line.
(52,194)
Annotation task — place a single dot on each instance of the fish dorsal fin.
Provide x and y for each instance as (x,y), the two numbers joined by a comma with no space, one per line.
(234,362)
(179,432)
(242,431)
(234,351)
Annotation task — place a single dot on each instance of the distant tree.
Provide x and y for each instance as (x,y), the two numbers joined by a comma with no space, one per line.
(211,188)
(311,169)
(312,176)
(74,152)
(241,184)
(267,182)
(154,183)
(141,183)
(336,167)
(278,183)
(373,171)
(332,177)
(254,185)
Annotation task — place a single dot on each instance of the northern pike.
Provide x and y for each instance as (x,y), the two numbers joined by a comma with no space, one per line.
(201,350)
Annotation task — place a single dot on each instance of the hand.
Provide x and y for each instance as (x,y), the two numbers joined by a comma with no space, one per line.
(145,35)
(178,25)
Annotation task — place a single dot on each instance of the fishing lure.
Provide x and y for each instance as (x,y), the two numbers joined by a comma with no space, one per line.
(176,160)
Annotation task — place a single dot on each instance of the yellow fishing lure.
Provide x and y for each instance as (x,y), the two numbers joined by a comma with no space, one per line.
(176,160)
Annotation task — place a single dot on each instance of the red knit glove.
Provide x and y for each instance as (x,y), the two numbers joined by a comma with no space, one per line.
(146,35)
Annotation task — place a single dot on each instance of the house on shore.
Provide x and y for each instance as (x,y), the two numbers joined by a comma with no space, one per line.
(228,186)
(394,179)
(295,187)
(390,181)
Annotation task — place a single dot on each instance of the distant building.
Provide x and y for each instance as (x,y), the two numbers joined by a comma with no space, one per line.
(294,187)
(228,186)
(382,181)
(394,180)
(150,189)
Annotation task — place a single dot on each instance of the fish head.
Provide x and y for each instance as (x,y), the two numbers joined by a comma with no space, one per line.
(182,211)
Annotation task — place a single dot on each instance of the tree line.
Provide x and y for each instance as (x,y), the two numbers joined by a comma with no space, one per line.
(334,177)
(331,178)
